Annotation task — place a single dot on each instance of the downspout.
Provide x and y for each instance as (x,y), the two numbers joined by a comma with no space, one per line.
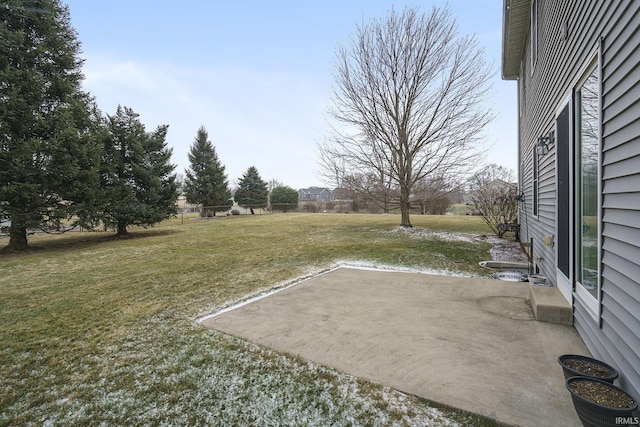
(522,206)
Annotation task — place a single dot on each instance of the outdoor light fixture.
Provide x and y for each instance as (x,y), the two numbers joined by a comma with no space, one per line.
(544,143)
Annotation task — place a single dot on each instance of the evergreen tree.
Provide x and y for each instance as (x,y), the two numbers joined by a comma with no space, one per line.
(252,190)
(283,198)
(47,153)
(137,179)
(206,182)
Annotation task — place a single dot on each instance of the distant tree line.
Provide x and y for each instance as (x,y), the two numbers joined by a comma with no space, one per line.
(430,196)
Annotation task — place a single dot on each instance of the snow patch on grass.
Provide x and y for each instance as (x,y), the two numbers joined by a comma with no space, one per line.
(425,233)
(165,374)
(368,265)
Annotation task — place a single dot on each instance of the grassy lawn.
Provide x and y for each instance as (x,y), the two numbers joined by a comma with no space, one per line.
(96,329)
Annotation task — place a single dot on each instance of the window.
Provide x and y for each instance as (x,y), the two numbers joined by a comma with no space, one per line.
(534,33)
(587,178)
(534,203)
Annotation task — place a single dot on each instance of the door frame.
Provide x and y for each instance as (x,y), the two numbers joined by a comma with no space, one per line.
(570,288)
(566,284)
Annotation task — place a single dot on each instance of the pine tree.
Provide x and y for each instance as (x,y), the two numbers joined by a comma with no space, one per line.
(47,153)
(206,182)
(252,190)
(137,180)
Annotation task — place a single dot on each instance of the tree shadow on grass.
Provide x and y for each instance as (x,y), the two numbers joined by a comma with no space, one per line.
(74,240)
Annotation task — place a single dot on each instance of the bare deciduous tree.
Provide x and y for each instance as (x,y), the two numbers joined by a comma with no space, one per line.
(378,190)
(495,196)
(433,195)
(409,101)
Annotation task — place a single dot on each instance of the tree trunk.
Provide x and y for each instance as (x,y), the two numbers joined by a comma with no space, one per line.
(405,206)
(122,229)
(17,240)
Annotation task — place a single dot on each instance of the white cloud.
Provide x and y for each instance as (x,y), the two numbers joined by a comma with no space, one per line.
(270,119)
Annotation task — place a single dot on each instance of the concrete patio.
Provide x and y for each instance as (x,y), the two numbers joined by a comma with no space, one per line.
(468,343)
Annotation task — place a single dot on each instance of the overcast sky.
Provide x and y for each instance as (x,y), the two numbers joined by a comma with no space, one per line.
(257,75)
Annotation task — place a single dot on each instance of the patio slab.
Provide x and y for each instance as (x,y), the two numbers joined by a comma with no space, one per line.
(468,343)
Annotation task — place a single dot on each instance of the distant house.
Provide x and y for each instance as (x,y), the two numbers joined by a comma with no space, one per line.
(319,194)
(576,65)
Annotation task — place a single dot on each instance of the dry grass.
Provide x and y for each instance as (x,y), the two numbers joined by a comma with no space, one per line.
(97,329)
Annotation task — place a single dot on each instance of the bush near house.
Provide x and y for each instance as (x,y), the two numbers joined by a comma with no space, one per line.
(498,205)
(495,196)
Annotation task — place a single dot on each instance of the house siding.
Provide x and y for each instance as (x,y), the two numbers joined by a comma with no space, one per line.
(614,336)
(317,194)
(620,332)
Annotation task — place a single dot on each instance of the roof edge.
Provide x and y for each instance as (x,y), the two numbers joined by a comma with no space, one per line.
(515,28)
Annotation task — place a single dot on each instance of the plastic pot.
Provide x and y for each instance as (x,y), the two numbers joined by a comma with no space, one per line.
(593,414)
(569,372)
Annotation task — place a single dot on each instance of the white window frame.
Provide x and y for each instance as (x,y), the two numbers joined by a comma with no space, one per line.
(566,284)
(593,305)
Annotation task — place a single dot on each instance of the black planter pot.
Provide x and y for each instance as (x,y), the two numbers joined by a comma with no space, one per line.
(593,414)
(568,372)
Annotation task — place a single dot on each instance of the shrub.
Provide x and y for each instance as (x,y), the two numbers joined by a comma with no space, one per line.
(497,206)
